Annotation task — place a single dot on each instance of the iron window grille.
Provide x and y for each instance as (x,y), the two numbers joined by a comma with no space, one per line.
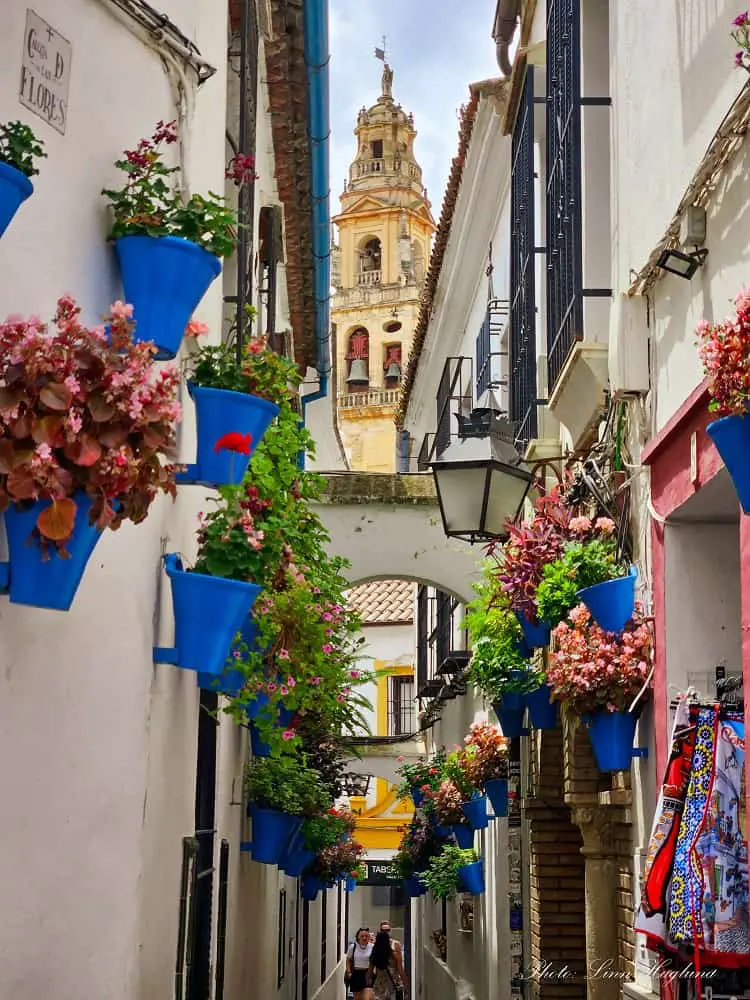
(426,450)
(438,635)
(401,706)
(564,226)
(523,384)
(489,351)
(454,396)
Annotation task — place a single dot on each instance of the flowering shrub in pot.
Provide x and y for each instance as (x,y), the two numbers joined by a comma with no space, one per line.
(447,802)
(85,431)
(724,349)
(454,870)
(169,245)
(419,844)
(422,776)
(19,149)
(280,792)
(235,402)
(596,675)
(336,861)
(485,763)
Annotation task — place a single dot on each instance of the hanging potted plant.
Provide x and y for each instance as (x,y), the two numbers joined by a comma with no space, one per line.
(419,844)
(528,550)
(596,676)
(281,792)
(455,870)
(448,800)
(335,863)
(357,874)
(19,148)
(498,665)
(485,763)
(235,401)
(169,246)
(85,428)
(724,349)
(317,832)
(420,777)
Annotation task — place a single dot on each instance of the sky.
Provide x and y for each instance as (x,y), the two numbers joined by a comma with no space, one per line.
(436,48)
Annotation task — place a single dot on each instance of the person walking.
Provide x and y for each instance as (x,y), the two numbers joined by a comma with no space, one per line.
(387,966)
(358,965)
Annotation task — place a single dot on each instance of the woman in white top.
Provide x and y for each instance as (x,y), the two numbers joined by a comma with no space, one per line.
(358,965)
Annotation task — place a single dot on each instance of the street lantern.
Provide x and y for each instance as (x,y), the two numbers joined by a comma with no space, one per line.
(356,784)
(479,478)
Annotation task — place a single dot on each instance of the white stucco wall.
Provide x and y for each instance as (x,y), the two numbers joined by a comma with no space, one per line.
(98,744)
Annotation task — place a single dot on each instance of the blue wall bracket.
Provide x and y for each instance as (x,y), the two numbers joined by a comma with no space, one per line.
(166,654)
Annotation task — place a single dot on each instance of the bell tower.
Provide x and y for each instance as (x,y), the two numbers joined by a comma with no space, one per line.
(384,231)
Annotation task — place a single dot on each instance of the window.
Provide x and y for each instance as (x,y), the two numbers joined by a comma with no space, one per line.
(370,257)
(522,382)
(377,149)
(281,944)
(564,253)
(401,706)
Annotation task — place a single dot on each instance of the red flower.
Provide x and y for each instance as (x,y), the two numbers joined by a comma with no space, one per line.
(234,441)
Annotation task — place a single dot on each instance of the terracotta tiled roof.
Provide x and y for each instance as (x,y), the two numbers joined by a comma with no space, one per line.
(383,602)
(442,234)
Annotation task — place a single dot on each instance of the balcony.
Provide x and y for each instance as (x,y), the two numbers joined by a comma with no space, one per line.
(370,397)
(369,277)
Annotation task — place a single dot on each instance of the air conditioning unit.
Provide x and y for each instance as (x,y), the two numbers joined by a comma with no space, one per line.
(628,346)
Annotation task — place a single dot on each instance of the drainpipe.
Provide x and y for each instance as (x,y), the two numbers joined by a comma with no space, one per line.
(317,57)
(506,16)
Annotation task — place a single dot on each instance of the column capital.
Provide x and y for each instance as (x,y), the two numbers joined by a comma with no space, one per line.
(597,826)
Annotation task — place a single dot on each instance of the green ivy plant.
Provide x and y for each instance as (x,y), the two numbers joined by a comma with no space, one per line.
(582,564)
(499,663)
(286,784)
(442,874)
(19,147)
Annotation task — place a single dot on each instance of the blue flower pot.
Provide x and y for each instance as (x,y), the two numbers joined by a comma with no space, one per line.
(298,858)
(259,746)
(164,278)
(351,884)
(414,886)
(475,810)
(209,611)
(514,700)
(417,796)
(47,583)
(535,635)
(310,888)
(542,711)
(524,648)
(219,412)
(441,831)
(464,835)
(611,603)
(510,719)
(497,793)
(272,832)
(612,735)
(15,188)
(471,878)
(731,437)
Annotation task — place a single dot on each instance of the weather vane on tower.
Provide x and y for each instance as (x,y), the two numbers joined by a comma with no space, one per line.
(387,71)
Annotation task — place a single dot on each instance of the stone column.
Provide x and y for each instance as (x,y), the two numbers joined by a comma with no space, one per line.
(603,979)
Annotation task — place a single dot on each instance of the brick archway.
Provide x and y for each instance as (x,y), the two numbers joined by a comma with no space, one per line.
(388,527)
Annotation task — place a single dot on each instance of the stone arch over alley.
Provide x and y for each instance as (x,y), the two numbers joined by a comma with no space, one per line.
(388,526)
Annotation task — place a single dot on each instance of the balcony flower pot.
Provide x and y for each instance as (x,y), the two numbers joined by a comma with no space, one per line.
(298,859)
(229,427)
(272,832)
(259,746)
(164,278)
(731,437)
(417,796)
(542,711)
(535,634)
(311,886)
(209,611)
(415,887)
(471,878)
(442,831)
(497,793)
(49,582)
(475,811)
(15,188)
(230,682)
(510,719)
(351,884)
(611,603)
(612,735)
(464,835)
